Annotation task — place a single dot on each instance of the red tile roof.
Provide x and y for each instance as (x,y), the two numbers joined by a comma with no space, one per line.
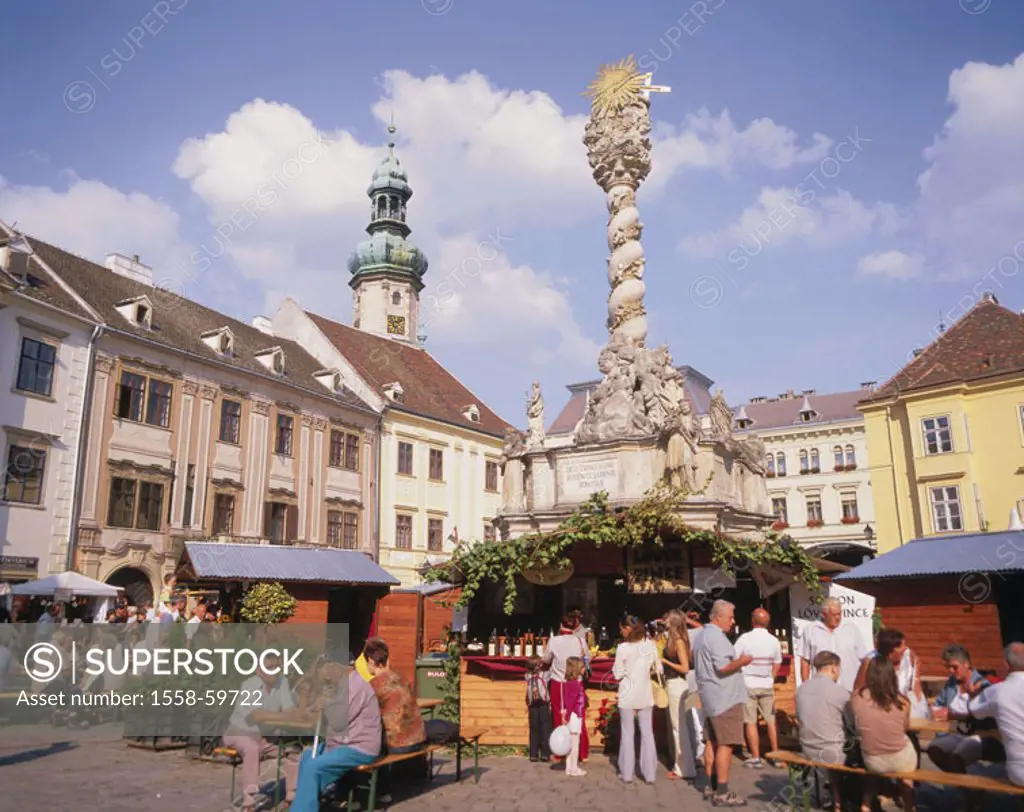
(987,341)
(429,388)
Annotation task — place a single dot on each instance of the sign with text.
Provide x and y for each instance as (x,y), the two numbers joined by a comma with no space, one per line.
(652,569)
(581,478)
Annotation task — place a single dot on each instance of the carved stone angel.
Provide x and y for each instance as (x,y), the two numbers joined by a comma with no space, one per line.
(721,416)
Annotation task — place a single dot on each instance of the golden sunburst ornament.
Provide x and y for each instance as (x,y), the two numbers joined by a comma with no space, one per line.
(619,84)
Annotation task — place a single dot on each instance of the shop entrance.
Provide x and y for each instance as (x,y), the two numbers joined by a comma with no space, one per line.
(137,588)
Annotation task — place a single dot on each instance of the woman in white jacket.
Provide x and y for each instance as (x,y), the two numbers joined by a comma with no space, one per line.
(636,659)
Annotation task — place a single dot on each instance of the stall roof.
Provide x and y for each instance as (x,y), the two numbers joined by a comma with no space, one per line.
(74,582)
(946,555)
(255,562)
(427,588)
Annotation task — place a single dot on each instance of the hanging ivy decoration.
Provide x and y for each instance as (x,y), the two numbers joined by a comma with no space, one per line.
(649,520)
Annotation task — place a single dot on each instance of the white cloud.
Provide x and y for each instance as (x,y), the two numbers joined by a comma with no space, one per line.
(787,214)
(92,219)
(707,142)
(479,292)
(969,211)
(891,264)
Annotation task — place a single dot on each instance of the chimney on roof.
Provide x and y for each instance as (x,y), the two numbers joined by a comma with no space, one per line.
(263,324)
(130,268)
(868,385)
(808,392)
(759,399)
(917,351)
(989,296)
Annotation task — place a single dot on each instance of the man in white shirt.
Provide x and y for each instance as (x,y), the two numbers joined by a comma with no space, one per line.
(760,676)
(831,634)
(1004,702)
(192,624)
(263,692)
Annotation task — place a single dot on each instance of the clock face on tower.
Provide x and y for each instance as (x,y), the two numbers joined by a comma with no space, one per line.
(396,325)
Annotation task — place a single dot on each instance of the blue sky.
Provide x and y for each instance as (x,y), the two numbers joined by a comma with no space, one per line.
(167,140)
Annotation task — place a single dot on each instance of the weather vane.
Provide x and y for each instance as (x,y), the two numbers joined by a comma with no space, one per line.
(619,84)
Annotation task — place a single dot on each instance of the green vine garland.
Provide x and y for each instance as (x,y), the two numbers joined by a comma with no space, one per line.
(649,520)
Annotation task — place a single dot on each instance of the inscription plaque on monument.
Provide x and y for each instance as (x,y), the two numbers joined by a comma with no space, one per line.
(581,478)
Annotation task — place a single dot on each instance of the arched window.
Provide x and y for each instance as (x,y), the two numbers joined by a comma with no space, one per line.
(851,457)
(815,461)
(382,206)
(837,452)
(396,298)
(804,467)
(393,208)
(780,464)
(770,461)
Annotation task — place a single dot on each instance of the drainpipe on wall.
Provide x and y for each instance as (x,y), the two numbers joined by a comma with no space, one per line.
(376,486)
(895,483)
(83,444)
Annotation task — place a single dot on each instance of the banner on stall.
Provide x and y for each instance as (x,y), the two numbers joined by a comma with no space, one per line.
(654,569)
(858,610)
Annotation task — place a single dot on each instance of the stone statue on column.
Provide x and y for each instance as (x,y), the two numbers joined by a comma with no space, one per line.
(535,416)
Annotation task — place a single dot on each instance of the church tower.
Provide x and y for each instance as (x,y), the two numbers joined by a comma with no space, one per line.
(387,269)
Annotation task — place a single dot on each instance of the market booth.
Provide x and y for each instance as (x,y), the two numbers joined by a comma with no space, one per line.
(329,585)
(966,589)
(65,587)
(604,583)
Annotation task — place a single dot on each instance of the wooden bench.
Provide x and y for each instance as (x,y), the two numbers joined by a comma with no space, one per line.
(386,762)
(470,737)
(977,783)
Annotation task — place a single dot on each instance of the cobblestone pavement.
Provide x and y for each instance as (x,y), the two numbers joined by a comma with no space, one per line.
(87,775)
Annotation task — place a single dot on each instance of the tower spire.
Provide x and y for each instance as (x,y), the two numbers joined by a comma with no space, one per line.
(387,269)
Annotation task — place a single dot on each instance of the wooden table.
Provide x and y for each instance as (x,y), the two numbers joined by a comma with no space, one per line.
(430,705)
(949,726)
(292,725)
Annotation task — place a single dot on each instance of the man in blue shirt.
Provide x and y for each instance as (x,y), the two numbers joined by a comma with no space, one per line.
(952,752)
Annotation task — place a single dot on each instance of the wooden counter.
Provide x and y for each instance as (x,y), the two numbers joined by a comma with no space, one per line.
(493,695)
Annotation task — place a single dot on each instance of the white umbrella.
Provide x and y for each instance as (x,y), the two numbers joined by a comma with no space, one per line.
(73,583)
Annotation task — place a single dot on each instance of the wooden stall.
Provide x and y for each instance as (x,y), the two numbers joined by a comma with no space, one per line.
(415,621)
(329,585)
(603,583)
(955,589)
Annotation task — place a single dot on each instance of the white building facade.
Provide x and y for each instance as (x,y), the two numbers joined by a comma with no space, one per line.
(818,475)
(46,334)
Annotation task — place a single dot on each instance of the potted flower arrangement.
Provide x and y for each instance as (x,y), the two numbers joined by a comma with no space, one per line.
(607,725)
(851,519)
(780,525)
(815,522)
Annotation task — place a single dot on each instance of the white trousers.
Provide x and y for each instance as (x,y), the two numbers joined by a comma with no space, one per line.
(684,737)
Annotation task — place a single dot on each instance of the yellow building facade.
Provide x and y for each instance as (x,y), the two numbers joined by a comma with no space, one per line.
(946,435)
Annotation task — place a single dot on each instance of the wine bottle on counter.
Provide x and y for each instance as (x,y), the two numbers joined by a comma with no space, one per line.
(528,649)
(783,641)
(492,644)
(539,644)
(603,643)
(517,644)
(506,646)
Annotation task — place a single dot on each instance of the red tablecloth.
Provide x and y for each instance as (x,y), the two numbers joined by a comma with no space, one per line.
(600,668)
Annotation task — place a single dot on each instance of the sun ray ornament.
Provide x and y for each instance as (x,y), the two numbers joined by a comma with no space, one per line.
(619,83)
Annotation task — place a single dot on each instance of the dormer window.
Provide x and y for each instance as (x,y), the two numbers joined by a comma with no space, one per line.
(331,379)
(396,298)
(221,341)
(806,413)
(472,413)
(743,421)
(139,311)
(272,359)
(394,392)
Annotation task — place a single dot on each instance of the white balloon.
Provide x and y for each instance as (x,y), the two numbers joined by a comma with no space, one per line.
(560,741)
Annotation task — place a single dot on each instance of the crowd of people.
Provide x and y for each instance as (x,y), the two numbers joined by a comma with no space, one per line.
(854,705)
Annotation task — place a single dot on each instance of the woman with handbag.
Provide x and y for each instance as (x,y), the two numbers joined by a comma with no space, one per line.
(560,648)
(636,661)
(676,662)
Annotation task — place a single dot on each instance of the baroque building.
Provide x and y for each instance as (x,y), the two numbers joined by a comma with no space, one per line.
(440,444)
(946,433)
(198,426)
(47,333)
(817,469)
